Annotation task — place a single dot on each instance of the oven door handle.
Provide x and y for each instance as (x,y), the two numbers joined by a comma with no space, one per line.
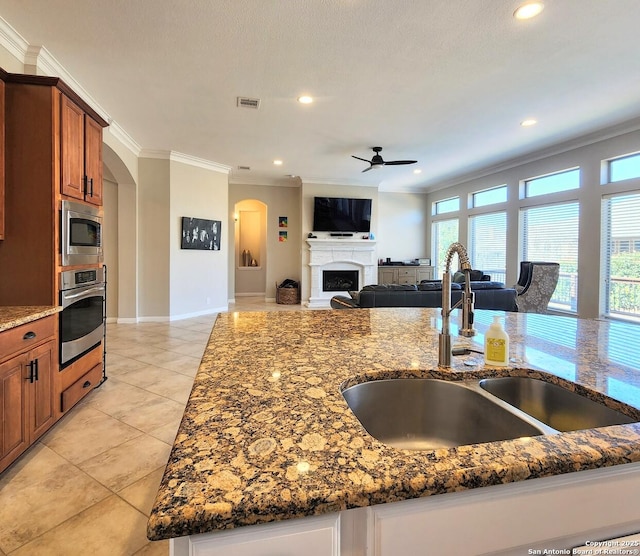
(84,293)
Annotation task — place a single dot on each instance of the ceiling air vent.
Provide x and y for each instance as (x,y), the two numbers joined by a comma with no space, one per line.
(244,168)
(246,102)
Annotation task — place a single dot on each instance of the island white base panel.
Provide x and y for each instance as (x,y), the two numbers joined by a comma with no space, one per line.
(526,517)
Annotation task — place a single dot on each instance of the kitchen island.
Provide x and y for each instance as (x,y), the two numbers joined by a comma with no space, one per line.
(267,436)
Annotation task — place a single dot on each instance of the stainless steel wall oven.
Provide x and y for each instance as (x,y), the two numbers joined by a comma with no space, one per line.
(82,297)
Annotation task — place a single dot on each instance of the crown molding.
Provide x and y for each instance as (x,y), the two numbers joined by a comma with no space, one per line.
(269,182)
(174,156)
(44,63)
(325,181)
(123,137)
(13,41)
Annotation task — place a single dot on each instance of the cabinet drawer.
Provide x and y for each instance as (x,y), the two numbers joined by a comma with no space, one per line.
(22,337)
(81,387)
(407,280)
(407,272)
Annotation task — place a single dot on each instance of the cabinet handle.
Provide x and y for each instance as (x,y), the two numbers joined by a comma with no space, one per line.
(86,384)
(36,371)
(31,371)
(85,182)
(29,335)
(91,182)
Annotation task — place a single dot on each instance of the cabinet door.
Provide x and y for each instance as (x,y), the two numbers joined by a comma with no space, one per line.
(425,274)
(41,392)
(71,148)
(93,160)
(14,436)
(2,159)
(312,536)
(387,275)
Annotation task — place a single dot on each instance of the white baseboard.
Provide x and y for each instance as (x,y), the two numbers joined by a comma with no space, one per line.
(199,313)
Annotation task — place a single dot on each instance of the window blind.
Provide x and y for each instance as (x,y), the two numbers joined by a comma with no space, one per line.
(488,244)
(620,258)
(550,233)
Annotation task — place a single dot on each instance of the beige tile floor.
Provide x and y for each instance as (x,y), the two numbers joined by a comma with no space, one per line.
(87,486)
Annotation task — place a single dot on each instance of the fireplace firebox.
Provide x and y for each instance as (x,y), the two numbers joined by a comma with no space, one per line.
(339,280)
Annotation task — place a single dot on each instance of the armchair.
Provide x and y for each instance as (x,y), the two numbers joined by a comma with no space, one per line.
(536,285)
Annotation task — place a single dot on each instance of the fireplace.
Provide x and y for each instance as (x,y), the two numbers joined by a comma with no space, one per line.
(339,280)
(327,254)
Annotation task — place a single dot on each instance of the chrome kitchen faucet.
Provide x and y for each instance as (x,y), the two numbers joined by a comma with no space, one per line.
(466,329)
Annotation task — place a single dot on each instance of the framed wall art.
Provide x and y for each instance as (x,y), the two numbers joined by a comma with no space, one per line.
(198,233)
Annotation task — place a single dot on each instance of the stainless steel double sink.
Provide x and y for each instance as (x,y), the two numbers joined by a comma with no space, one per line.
(427,413)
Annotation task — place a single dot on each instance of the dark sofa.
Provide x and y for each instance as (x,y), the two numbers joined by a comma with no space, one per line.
(488,295)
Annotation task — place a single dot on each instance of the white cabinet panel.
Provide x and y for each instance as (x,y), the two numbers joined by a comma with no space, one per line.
(512,518)
(310,536)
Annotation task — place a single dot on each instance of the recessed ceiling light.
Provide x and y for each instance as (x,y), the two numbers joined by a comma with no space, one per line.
(417,171)
(528,122)
(305,99)
(528,10)
(278,162)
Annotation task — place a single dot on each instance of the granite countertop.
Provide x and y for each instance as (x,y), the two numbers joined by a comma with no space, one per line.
(11,316)
(266,434)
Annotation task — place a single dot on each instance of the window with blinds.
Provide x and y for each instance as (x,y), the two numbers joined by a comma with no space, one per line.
(443,234)
(488,244)
(620,257)
(550,233)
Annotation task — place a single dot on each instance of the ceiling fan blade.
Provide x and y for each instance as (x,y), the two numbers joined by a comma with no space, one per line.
(364,159)
(399,162)
(367,169)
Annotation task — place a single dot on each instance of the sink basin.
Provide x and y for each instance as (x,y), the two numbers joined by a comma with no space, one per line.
(553,405)
(420,414)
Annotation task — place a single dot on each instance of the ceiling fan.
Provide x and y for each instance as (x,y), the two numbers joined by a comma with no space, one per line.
(376,162)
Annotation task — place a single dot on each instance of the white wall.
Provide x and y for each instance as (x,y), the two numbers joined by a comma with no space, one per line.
(154,238)
(589,159)
(197,279)
(402,222)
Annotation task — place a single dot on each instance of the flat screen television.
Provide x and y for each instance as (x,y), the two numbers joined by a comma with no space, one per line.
(339,214)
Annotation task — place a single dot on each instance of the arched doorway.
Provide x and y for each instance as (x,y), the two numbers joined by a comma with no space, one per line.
(120,241)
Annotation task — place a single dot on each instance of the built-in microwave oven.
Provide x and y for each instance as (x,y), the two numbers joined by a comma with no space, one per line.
(80,234)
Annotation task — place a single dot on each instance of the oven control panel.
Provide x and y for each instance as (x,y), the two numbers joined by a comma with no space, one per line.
(75,278)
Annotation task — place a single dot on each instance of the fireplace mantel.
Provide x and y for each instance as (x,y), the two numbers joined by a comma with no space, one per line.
(339,254)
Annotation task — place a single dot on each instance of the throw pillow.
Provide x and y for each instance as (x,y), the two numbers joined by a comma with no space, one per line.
(355,296)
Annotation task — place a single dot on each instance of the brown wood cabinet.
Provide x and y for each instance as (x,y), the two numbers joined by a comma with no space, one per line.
(1,156)
(53,140)
(80,153)
(27,367)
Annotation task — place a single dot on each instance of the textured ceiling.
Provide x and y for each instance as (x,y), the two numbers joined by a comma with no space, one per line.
(445,82)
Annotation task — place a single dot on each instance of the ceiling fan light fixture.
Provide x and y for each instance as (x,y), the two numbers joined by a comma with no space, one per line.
(305,99)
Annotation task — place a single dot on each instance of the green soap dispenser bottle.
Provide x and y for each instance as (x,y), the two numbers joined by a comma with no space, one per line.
(496,344)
